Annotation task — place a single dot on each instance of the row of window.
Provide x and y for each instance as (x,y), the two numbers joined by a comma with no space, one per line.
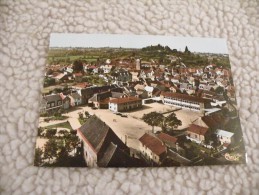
(52,104)
(182,105)
(181,100)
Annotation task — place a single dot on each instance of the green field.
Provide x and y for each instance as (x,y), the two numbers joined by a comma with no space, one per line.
(158,53)
(69,59)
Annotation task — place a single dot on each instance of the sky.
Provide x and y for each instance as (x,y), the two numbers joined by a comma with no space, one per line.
(194,44)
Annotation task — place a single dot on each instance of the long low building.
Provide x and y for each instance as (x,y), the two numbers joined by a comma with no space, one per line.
(124,104)
(185,101)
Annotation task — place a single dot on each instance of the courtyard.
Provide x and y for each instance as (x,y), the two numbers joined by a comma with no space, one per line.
(129,129)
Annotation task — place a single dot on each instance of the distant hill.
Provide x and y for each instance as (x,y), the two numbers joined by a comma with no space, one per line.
(157,48)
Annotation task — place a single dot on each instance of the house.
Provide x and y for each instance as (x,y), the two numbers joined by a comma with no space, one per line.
(168,140)
(224,137)
(69,70)
(101,146)
(152,148)
(147,73)
(197,133)
(118,95)
(122,76)
(174,89)
(149,90)
(124,104)
(86,94)
(75,98)
(185,101)
(92,69)
(141,94)
(82,85)
(106,68)
(61,77)
(78,76)
(100,97)
(66,101)
(51,103)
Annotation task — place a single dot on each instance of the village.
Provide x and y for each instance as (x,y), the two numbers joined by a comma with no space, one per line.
(135,112)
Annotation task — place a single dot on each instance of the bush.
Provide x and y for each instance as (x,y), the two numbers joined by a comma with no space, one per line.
(44,115)
(40,132)
(51,132)
(57,114)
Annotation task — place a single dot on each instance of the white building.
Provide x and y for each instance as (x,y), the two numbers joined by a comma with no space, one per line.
(124,104)
(106,68)
(152,148)
(225,137)
(185,101)
(149,89)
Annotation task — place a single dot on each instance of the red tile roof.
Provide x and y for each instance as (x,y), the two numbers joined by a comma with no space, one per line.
(226,144)
(153,143)
(197,129)
(79,74)
(167,138)
(124,100)
(82,85)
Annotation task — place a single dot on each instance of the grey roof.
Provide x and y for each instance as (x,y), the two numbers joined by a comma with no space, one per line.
(52,97)
(100,96)
(99,135)
(87,91)
(75,95)
(108,154)
(115,157)
(117,94)
(95,131)
(43,102)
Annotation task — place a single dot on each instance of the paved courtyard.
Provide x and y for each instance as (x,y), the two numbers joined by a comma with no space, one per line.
(129,129)
(186,116)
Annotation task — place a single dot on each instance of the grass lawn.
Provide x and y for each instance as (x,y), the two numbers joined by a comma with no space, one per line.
(64,125)
(201,148)
(82,121)
(59,117)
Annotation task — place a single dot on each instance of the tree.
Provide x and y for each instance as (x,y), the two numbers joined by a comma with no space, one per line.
(73,142)
(187,50)
(171,121)
(40,131)
(38,157)
(87,115)
(174,51)
(219,90)
(81,115)
(50,149)
(77,66)
(51,132)
(64,133)
(153,119)
(62,155)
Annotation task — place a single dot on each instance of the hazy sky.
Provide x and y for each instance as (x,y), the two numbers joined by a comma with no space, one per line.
(194,44)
